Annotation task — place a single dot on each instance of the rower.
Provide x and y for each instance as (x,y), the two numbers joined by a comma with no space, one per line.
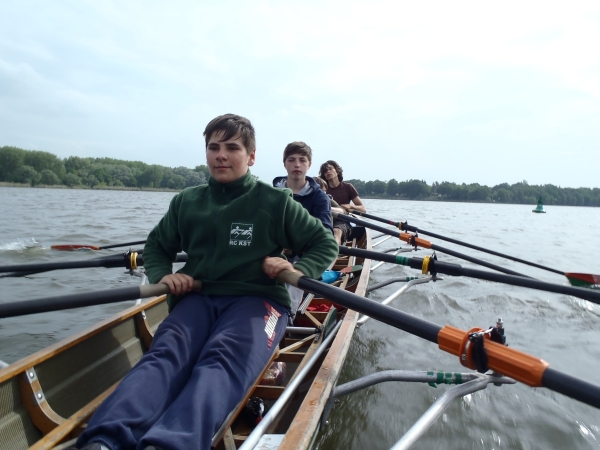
(215,343)
(297,159)
(343,193)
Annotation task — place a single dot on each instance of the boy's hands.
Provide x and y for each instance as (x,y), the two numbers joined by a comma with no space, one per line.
(272,266)
(178,283)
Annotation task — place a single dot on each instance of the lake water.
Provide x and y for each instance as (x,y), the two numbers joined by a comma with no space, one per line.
(560,329)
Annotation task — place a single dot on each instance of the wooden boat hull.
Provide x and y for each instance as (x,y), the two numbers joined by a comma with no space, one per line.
(47,397)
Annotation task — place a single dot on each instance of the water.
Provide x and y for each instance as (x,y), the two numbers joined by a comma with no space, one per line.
(560,329)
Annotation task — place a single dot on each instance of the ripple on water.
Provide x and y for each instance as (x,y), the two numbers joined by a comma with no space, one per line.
(19,244)
(559,329)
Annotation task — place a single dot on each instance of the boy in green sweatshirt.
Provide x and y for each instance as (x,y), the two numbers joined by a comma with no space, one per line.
(214,344)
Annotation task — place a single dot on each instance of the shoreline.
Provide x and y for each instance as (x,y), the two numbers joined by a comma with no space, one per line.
(85,188)
(125,188)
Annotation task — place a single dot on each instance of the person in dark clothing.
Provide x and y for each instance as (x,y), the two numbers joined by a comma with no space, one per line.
(215,342)
(297,159)
(344,194)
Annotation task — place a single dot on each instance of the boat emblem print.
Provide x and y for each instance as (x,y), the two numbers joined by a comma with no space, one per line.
(241,234)
(270,323)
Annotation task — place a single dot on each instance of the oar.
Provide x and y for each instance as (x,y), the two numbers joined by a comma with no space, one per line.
(576,279)
(431,266)
(129,260)
(417,241)
(68,247)
(47,304)
(508,361)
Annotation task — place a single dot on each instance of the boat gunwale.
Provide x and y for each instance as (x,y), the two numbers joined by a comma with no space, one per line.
(306,422)
(44,354)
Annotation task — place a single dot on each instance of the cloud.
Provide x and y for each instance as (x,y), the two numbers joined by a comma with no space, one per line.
(387,80)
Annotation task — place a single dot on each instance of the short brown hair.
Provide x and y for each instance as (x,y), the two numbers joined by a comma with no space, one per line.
(232,126)
(335,165)
(300,148)
(321,182)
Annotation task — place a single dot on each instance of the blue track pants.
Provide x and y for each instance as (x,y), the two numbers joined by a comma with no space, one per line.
(203,359)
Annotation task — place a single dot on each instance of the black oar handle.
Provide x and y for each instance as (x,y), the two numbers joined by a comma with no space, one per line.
(430,245)
(457,270)
(552,379)
(61,302)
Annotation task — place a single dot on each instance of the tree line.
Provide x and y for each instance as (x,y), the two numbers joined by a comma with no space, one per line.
(38,167)
(521,192)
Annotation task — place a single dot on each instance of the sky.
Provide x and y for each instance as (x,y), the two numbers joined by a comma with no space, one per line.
(462,91)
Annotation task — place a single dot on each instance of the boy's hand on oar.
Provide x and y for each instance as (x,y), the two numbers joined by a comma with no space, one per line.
(272,266)
(178,283)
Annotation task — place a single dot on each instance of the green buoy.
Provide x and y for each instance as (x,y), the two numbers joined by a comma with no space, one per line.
(540,206)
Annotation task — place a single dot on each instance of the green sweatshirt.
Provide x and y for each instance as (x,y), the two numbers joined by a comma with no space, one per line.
(228,229)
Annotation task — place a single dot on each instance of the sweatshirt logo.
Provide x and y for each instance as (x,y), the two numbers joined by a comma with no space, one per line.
(241,234)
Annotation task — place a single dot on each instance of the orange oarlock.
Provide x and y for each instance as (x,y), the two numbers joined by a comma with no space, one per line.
(502,359)
(414,240)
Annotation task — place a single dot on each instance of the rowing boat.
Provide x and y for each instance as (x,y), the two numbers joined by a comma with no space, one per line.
(47,397)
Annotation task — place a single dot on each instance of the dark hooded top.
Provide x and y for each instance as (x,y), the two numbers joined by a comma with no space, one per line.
(314,200)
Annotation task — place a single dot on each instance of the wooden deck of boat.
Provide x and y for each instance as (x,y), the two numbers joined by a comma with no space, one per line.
(46,398)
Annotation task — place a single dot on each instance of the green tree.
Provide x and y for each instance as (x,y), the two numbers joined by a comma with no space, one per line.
(11,158)
(91,180)
(378,187)
(359,185)
(479,193)
(392,188)
(171,180)
(27,174)
(502,196)
(151,177)
(73,164)
(48,177)
(414,189)
(203,169)
(43,160)
(191,177)
(72,180)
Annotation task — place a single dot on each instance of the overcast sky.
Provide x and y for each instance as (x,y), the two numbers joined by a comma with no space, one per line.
(485,92)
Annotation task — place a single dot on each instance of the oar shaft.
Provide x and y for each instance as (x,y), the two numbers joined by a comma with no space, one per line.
(457,270)
(411,324)
(60,302)
(475,247)
(518,364)
(447,251)
(378,219)
(426,244)
(571,387)
(127,244)
(406,227)
(105,261)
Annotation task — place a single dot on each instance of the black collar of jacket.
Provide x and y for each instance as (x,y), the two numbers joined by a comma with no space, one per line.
(233,190)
